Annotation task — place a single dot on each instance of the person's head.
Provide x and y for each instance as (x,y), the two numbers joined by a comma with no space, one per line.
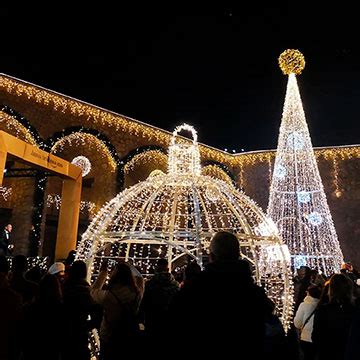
(34,274)
(19,264)
(192,270)
(57,269)
(50,290)
(224,246)
(71,257)
(303,272)
(314,291)
(340,289)
(122,275)
(162,265)
(78,270)
(8,227)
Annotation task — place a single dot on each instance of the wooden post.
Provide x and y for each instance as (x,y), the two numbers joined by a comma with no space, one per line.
(69,217)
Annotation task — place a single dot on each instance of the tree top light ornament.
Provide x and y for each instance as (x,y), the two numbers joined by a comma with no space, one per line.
(174,215)
(297,203)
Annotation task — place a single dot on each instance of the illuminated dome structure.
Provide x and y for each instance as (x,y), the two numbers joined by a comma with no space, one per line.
(174,215)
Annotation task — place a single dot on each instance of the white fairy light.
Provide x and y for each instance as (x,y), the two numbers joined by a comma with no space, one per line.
(56,200)
(303,217)
(5,192)
(176,214)
(83,163)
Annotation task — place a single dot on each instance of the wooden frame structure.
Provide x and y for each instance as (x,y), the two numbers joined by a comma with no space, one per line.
(71,188)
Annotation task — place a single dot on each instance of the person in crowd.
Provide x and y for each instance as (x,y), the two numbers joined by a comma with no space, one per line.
(352,348)
(26,288)
(223,304)
(301,283)
(159,291)
(58,269)
(34,274)
(304,320)
(44,323)
(78,306)
(120,300)
(332,321)
(192,270)
(6,247)
(316,278)
(10,305)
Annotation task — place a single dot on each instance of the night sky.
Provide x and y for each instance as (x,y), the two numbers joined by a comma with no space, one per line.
(215,68)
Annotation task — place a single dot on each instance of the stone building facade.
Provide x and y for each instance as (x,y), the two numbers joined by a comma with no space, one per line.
(123,151)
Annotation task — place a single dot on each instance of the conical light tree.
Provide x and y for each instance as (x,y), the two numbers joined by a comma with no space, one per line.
(297,201)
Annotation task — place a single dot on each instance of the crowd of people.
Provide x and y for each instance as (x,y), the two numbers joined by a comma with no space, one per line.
(217,311)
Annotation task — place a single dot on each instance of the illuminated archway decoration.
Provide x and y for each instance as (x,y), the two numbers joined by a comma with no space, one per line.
(146,157)
(17,129)
(175,214)
(216,172)
(79,138)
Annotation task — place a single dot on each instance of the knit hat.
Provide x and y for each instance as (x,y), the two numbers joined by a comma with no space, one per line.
(55,268)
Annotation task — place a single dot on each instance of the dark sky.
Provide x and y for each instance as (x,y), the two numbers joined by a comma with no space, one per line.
(215,68)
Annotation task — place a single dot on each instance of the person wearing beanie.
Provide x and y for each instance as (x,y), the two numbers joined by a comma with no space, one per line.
(57,269)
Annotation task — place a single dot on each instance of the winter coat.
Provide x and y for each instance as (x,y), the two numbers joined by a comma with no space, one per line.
(305,309)
(224,307)
(159,291)
(120,307)
(78,305)
(331,329)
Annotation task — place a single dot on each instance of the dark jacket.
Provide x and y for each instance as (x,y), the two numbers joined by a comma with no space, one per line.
(225,307)
(159,292)
(331,330)
(4,242)
(78,305)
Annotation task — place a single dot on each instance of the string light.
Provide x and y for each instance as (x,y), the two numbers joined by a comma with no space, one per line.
(15,127)
(174,215)
(146,157)
(5,192)
(84,139)
(216,172)
(337,191)
(55,200)
(96,116)
(297,201)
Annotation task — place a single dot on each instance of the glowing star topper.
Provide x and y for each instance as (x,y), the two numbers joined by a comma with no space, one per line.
(291,62)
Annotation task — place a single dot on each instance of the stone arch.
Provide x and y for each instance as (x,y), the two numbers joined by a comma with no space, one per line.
(218,171)
(140,162)
(100,184)
(14,123)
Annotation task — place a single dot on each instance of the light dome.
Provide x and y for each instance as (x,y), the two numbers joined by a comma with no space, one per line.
(174,215)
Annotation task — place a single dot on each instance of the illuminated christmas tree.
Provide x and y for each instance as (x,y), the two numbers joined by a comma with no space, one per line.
(297,201)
